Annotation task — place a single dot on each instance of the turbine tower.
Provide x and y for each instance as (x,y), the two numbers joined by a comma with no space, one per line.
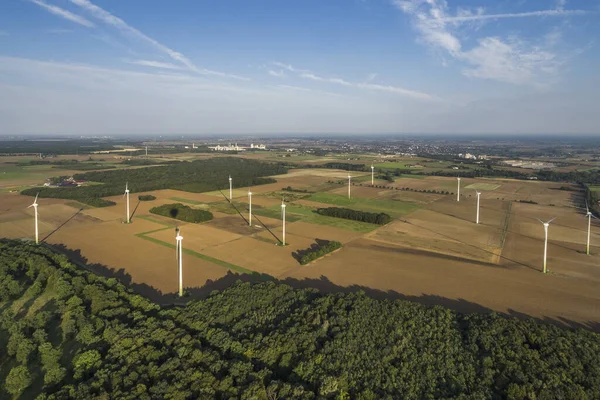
(546,225)
(35,213)
(349,181)
(372,175)
(478,195)
(458,193)
(283,218)
(250,208)
(230,189)
(589,215)
(179,252)
(126,194)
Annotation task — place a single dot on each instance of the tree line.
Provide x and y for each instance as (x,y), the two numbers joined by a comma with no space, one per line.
(355,215)
(66,333)
(182,212)
(196,176)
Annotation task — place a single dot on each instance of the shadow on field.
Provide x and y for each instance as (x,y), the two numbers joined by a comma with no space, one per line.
(322,284)
(61,225)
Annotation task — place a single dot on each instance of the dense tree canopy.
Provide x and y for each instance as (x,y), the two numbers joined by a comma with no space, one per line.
(196,176)
(69,334)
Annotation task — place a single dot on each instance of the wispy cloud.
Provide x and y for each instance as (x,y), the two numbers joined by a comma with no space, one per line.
(542,13)
(509,60)
(155,64)
(63,13)
(370,86)
(3,33)
(290,87)
(277,74)
(125,28)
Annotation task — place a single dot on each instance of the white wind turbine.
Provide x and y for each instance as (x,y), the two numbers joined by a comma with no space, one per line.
(372,175)
(250,208)
(349,182)
(458,193)
(478,196)
(589,215)
(230,189)
(179,256)
(126,194)
(283,218)
(546,225)
(35,213)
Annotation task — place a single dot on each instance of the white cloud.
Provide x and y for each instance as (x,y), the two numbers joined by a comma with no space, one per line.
(122,26)
(370,86)
(508,60)
(277,74)
(289,87)
(155,64)
(63,13)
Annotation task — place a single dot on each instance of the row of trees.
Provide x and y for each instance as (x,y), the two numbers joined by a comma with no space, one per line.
(196,176)
(355,215)
(182,212)
(319,250)
(68,334)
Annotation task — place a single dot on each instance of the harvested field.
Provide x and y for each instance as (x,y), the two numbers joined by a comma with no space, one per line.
(259,255)
(483,186)
(465,286)
(197,237)
(115,246)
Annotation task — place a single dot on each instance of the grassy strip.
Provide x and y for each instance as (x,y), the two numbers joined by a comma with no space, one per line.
(392,207)
(188,201)
(220,263)
(147,218)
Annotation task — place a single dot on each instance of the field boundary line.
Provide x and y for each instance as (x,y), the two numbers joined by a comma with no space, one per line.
(147,218)
(204,257)
(188,201)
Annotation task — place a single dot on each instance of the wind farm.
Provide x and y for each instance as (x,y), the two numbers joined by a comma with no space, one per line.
(483,240)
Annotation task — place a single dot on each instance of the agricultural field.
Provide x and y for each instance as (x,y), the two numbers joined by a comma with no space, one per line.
(432,251)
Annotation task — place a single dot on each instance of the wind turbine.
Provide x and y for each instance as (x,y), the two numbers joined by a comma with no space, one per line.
(179,253)
(372,175)
(458,193)
(230,189)
(283,218)
(250,208)
(35,206)
(478,195)
(589,215)
(546,225)
(126,194)
(349,181)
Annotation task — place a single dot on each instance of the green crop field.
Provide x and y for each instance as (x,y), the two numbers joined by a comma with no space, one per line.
(595,188)
(392,165)
(395,208)
(483,186)
(307,214)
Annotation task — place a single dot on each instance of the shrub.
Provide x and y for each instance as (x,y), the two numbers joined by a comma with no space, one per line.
(146,197)
(182,213)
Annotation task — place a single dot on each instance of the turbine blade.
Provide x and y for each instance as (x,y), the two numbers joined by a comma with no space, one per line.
(36,197)
(587,207)
(552,219)
(540,220)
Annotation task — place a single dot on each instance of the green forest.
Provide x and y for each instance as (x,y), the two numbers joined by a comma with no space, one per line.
(182,213)
(66,333)
(354,215)
(195,176)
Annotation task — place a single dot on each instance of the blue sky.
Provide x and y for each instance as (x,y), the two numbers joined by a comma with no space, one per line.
(299,66)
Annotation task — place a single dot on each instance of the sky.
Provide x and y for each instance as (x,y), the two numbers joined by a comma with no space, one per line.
(195,67)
